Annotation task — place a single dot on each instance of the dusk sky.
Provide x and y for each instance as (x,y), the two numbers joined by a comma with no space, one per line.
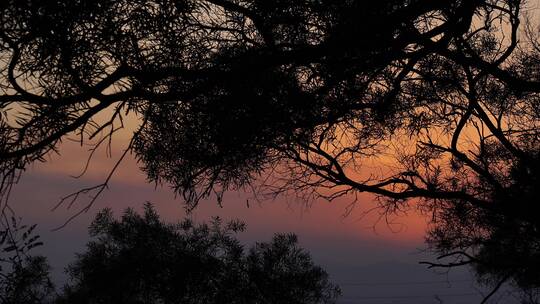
(413,100)
(372,261)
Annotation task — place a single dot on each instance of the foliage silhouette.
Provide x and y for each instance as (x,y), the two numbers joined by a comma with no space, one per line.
(307,92)
(140,259)
(24,278)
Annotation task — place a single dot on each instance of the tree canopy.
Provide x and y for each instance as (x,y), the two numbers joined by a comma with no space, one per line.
(141,259)
(227,91)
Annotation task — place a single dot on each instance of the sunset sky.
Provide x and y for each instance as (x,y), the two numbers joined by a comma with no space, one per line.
(373,258)
(374,261)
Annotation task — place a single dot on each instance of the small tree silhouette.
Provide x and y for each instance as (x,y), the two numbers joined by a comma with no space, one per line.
(140,259)
(24,278)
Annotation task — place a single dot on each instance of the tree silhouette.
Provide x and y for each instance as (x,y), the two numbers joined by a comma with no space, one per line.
(306,92)
(140,259)
(24,278)
(223,88)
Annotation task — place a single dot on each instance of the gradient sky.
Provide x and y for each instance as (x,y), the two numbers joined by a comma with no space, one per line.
(373,261)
